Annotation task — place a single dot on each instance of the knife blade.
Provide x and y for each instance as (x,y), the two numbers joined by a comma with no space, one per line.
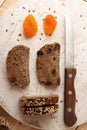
(70,72)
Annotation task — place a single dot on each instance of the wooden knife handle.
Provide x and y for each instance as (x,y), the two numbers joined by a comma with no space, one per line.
(69,97)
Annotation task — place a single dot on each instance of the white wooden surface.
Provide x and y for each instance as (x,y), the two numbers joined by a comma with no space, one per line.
(80,13)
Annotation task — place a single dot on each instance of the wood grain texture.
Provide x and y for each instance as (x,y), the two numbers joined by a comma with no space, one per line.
(14,125)
(11,123)
(69,97)
(6,4)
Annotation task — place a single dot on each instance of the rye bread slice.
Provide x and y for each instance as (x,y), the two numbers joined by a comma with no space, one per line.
(38,100)
(17,65)
(44,110)
(47,67)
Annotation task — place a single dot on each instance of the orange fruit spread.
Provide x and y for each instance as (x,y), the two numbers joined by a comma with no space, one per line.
(49,24)
(30,26)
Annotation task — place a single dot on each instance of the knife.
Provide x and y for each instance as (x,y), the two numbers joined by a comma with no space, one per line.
(70,72)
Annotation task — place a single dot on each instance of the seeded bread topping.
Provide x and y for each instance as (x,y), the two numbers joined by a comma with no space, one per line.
(39,105)
(39,100)
(40,110)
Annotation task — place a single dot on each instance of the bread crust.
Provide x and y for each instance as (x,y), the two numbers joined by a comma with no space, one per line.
(47,65)
(17,65)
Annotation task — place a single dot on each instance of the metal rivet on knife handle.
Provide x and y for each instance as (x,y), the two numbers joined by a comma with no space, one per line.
(70,75)
(70,92)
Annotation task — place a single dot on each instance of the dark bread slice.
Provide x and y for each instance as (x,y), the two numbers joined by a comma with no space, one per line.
(17,65)
(38,100)
(48,65)
(44,110)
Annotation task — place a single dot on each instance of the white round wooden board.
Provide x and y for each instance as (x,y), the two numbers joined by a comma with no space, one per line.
(12,22)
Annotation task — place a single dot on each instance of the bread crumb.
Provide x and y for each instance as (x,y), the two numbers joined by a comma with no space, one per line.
(83,27)
(33,10)
(19,123)
(40,39)
(76,100)
(23,7)
(63,3)
(55,17)
(29,11)
(41,34)
(11,14)
(20,34)
(54,11)
(80,15)
(12,23)
(49,8)
(61,101)
(6,30)
(17,39)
